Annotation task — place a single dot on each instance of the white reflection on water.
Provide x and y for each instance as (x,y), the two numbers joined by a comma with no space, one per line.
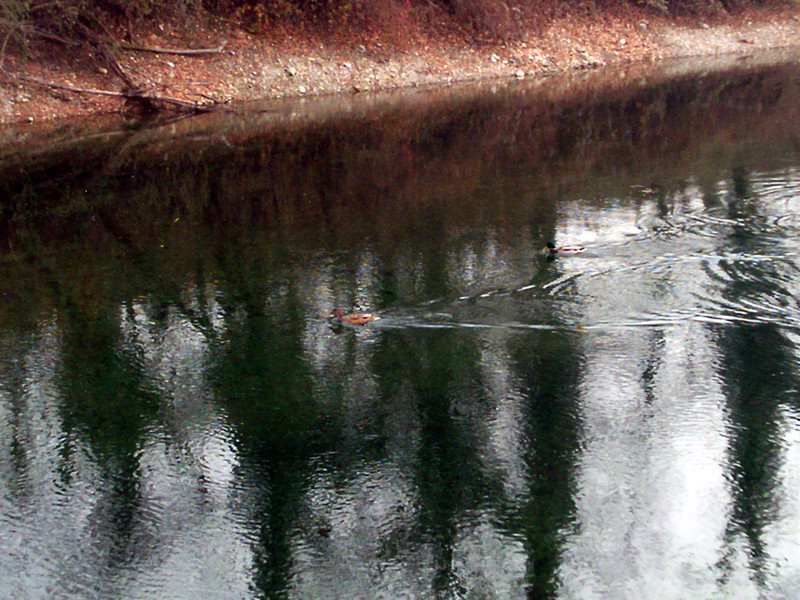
(505,441)
(190,511)
(783,534)
(356,538)
(653,489)
(492,564)
(649,471)
(40,492)
(656,500)
(190,494)
(59,528)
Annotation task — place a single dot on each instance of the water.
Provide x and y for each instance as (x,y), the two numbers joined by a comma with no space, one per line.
(181,418)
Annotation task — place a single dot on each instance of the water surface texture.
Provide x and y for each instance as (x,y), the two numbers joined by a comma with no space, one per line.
(180,417)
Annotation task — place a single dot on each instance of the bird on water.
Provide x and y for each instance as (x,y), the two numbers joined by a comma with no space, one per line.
(353,318)
(554,250)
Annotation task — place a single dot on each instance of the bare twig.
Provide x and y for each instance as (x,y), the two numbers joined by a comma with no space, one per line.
(129,94)
(131,90)
(181,51)
(111,42)
(70,88)
(3,47)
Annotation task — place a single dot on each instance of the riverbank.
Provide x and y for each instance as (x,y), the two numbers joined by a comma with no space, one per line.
(241,66)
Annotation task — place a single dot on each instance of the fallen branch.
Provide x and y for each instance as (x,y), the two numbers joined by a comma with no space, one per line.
(181,51)
(134,95)
(110,42)
(62,86)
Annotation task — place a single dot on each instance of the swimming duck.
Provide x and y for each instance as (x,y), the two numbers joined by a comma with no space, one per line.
(554,250)
(353,318)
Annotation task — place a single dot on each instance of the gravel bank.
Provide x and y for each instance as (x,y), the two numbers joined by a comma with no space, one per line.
(250,67)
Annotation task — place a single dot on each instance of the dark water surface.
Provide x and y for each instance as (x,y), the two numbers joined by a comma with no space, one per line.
(180,418)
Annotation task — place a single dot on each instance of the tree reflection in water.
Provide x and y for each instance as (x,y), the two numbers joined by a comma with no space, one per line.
(181,418)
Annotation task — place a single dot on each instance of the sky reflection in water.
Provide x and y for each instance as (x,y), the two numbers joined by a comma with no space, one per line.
(181,418)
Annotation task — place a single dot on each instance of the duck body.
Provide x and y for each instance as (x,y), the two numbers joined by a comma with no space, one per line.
(554,250)
(353,318)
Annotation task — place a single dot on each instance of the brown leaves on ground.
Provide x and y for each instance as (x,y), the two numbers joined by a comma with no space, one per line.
(373,51)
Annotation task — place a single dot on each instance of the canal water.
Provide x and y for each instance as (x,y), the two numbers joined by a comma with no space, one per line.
(180,417)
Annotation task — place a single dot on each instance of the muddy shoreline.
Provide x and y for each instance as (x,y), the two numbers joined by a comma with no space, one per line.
(249,68)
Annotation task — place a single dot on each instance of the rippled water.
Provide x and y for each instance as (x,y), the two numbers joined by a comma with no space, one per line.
(181,418)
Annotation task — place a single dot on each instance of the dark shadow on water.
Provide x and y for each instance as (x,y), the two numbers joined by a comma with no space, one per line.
(759,373)
(550,373)
(438,371)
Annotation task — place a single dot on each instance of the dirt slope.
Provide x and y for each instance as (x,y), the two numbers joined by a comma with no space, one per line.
(250,67)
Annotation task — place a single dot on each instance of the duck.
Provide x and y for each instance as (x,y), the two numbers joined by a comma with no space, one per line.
(554,250)
(353,318)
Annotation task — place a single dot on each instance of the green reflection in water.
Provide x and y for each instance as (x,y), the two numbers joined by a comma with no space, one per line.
(187,275)
(759,373)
